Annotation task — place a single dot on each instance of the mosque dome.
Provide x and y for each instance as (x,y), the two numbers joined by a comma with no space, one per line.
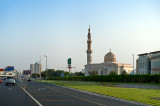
(110,57)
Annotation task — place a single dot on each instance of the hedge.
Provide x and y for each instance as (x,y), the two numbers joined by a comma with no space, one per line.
(114,78)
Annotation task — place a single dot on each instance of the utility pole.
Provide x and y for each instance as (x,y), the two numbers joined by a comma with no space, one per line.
(46,67)
(133,63)
(40,69)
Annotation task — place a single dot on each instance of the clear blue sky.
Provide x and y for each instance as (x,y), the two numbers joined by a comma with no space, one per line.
(58,28)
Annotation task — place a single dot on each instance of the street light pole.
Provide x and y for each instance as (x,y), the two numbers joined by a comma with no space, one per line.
(40,70)
(133,63)
(46,67)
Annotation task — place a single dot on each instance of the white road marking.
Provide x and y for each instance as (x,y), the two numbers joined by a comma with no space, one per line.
(41,88)
(10,88)
(31,96)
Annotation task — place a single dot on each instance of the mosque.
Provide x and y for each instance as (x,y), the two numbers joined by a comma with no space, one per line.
(109,65)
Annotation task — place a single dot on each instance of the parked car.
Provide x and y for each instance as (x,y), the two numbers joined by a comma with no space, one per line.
(10,80)
(0,80)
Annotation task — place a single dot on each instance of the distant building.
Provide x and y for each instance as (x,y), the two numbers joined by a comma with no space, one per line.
(26,72)
(155,62)
(36,68)
(148,63)
(109,65)
(143,64)
(32,68)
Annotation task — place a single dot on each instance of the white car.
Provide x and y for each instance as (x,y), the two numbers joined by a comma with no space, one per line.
(10,80)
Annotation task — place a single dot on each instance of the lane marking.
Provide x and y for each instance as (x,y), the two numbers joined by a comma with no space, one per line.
(10,88)
(57,100)
(40,92)
(47,95)
(31,96)
(76,96)
(104,96)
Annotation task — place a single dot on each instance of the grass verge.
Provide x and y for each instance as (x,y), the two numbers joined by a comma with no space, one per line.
(134,94)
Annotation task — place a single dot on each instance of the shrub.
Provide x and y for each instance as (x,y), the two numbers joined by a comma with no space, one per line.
(113,78)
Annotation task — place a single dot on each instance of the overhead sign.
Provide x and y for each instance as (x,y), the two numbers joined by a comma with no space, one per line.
(2,69)
(9,68)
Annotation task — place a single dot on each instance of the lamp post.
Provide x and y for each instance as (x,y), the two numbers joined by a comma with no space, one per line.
(17,73)
(46,67)
(40,69)
(133,63)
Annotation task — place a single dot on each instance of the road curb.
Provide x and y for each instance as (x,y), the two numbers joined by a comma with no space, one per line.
(104,96)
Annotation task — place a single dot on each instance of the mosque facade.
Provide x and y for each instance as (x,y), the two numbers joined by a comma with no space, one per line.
(109,65)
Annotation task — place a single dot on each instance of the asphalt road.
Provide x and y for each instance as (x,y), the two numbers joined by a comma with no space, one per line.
(14,96)
(51,95)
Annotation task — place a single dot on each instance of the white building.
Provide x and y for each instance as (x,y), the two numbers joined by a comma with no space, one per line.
(148,63)
(105,67)
(143,64)
(32,68)
(36,68)
(155,62)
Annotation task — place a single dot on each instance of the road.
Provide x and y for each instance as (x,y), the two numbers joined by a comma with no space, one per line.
(14,96)
(52,95)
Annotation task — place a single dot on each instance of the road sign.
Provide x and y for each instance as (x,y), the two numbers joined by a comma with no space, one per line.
(69,61)
(21,76)
(69,67)
(62,74)
(9,68)
(2,69)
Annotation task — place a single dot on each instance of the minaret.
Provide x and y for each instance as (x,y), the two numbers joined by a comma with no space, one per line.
(89,51)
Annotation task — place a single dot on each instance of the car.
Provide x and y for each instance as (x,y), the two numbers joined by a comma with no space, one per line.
(29,79)
(10,80)
(0,80)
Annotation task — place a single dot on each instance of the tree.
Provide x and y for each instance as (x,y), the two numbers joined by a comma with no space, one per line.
(34,75)
(53,73)
(79,74)
(50,72)
(93,73)
(112,73)
(124,73)
(43,73)
(58,73)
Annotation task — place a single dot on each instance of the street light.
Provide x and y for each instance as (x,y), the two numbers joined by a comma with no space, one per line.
(46,67)
(40,69)
(133,63)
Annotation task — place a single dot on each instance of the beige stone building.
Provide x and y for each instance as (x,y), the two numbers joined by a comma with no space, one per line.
(105,67)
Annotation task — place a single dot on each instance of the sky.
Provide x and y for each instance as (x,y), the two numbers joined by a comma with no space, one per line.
(30,29)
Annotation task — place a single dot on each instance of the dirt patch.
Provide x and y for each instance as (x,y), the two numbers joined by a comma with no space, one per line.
(157,98)
(108,85)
